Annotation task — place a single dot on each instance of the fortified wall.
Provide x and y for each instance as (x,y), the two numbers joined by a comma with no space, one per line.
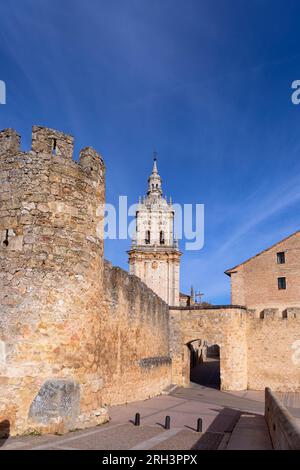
(224,326)
(69,342)
(136,362)
(273,338)
(76,333)
(257,349)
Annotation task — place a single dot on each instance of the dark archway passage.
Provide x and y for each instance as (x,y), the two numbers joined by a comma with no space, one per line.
(205,363)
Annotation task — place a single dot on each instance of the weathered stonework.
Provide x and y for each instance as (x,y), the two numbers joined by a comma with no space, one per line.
(274,352)
(136,321)
(58,320)
(51,252)
(77,334)
(224,326)
(57,399)
(255,351)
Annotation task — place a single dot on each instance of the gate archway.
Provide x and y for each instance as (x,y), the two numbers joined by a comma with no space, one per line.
(223,327)
(205,367)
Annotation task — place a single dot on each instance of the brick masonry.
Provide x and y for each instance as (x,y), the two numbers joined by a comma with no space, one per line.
(255,282)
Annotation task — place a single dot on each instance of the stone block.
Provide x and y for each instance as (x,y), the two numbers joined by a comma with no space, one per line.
(57,398)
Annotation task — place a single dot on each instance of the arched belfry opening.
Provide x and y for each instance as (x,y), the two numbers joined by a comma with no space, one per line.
(205,363)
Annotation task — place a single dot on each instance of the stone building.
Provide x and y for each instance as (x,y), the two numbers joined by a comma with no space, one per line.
(154,255)
(270,279)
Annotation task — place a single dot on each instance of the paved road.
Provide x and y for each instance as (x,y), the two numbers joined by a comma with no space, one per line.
(228,419)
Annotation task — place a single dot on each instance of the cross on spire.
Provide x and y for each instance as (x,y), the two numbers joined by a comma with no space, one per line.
(154,181)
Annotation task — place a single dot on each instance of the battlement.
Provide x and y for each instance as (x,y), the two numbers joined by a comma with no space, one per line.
(90,160)
(50,141)
(275,313)
(9,141)
(53,143)
(46,187)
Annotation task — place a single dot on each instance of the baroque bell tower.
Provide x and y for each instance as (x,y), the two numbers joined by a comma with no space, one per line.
(154,255)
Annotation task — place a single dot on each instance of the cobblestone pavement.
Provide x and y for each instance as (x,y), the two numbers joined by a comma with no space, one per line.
(220,412)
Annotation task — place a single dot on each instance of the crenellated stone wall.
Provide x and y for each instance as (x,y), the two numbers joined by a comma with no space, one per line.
(273,339)
(51,250)
(257,349)
(76,333)
(71,338)
(135,363)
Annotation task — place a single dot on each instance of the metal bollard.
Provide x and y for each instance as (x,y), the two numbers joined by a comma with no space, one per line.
(137,420)
(167,422)
(199,425)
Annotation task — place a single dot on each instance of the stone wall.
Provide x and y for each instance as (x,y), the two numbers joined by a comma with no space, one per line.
(284,429)
(135,360)
(51,251)
(257,349)
(224,326)
(77,334)
(273,342)
(71,339)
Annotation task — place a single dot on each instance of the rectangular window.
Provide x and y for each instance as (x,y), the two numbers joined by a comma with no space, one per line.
(281,257)
(281,283)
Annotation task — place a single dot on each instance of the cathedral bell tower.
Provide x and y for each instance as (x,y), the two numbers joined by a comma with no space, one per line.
(154,255)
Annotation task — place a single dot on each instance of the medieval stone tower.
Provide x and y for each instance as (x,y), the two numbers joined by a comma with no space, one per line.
(51,250)
(154,255)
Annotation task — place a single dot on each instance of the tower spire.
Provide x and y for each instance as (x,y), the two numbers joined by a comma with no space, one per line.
(154,181)
(154,255)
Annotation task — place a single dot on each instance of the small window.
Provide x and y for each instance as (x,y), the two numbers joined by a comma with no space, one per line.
(5,242)
(54,146)
(147,237)
(281,283)
(162,238)
(281,257)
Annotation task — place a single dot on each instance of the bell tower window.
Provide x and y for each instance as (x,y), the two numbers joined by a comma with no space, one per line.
(162,238)
(147,237)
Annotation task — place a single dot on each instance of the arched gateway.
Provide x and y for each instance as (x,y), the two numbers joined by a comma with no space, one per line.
(224,326)
(204,363)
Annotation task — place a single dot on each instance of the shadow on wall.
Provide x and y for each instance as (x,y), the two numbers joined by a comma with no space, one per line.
(4,431)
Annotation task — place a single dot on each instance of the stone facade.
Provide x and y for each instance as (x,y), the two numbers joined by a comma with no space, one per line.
(254,283)
(154,256)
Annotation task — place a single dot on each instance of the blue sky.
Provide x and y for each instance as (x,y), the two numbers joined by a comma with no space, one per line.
(207,82)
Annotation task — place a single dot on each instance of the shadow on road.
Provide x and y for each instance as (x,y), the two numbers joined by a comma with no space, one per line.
(207,374)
